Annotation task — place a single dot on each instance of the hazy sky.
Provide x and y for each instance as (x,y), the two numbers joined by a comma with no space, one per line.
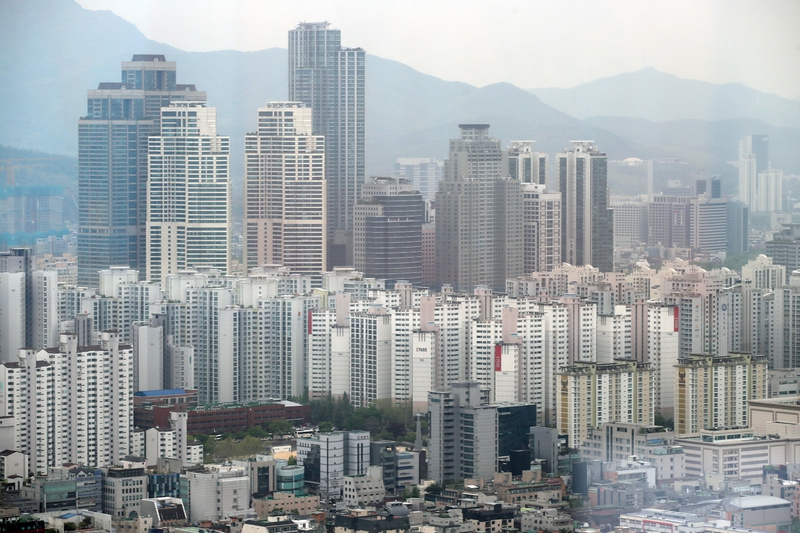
(528,43)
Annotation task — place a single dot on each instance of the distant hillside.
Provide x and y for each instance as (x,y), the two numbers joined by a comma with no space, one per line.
(657,96)
(58,50)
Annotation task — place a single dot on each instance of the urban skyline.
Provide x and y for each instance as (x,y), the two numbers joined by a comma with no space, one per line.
(560,348)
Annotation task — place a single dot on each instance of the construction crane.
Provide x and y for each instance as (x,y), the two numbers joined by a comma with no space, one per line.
(13,164)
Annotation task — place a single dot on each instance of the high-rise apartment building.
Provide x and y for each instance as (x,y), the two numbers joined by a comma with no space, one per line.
(523,164)
(28,304)
(387,236)
(591,394)
(424,173)
(112,162)
(541,228)
(188,192)
(71,404)
(712,392)
(331,79)
(479,230)
(753,160)
(285,195)
(587,222)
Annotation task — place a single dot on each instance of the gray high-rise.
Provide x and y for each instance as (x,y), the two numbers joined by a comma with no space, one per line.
(479,234)
(330,79)
(587,222)
(112,163)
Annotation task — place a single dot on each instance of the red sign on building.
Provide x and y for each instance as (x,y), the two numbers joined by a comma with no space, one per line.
(498,357)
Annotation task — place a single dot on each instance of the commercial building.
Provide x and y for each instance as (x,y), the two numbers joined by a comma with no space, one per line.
(112,162)
(713,391)
(124,488)
(328,457)
(587,221)
(617,441)
(784,248)
(188,192)
(387,232)
(479,228)
(464,431)
(285,190)
(330,79)
(218,493)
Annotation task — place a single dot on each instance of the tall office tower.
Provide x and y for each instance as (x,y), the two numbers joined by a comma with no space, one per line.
(541,228)
(587,222)
(387,234)
(463,433)
(285,190)
(753,160)
(592,393)
(424,173)
(71,404)
(112,162)
(738,228)
(188,192)
(479,233)
(521,163)
(707,224)
(712,392)
(331,79)
(666,221)
(784,248)
(630,224)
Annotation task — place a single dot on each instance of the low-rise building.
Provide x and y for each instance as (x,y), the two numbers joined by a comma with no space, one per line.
(366,490)
(286,502)
(218,493)
(165,512)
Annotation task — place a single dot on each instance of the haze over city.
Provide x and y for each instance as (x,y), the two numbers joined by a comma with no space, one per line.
(531,44)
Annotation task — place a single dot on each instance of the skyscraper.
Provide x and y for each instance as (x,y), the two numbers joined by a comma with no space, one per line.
(587,222)
(330,79)
(112,162)
(479,237)
(525,165)
(424,173)
(753,160)
(387,239)
(188,192)
(285,183)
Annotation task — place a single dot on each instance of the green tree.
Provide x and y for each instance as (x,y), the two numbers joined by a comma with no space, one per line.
(86,522)
(280,427)
(257,432)
(434,488)
(325,427)
(250,446)
(70,526)
(292,460)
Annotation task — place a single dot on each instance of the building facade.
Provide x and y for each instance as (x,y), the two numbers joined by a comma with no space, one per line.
(479,230)
(331,80)
(285,190)
(188,192)
(587,222)
(112,162)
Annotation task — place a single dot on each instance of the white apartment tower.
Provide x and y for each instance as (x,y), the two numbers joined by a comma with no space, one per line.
(541,228)
(71,404)
(188,192)
(285,190)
